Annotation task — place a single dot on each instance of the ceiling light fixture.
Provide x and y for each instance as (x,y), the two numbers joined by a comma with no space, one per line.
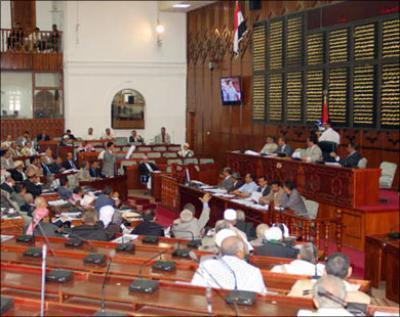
(181,5)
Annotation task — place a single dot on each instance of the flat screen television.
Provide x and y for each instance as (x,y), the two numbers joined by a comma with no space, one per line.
(231,90)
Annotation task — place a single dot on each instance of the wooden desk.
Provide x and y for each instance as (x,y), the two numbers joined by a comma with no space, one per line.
(117,183)
(382,264)
(338,186)
(12,226)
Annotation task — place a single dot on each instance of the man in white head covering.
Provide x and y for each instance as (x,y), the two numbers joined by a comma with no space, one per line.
(273,245)
(189,227)
(185,152)
(231,216)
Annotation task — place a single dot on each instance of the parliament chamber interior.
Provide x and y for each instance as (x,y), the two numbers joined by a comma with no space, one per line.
(200,158)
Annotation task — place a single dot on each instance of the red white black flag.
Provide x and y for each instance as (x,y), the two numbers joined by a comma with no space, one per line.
(240,28)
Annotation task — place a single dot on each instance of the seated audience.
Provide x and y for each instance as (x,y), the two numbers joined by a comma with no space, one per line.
(25,137)
(69,134)
(277,195)
(230,271)
(313,153)
(263,188)
(329,134)
(18,173)
(14,150)
(292,200)
(247,188)
(45,167)
(227,182)
(91,229)
(352,159)
(95,171)
(22,198)
(325,304)
(149,227)
(270,147)
(35,166)
(63,191)
(48,156)
(305,264)
(69,162)
(237,219)
(187,226)
(108,161)
(32,183)
(42,137)
(283,149)
(8,183)
(108,134)
(90,136)
(237,183)
(273,245)
(185,152)
(104,199)
(135,138)
(84,172)
(260,235)
(57,166)
(7,142)
(337,265)
(163,137)
(145,170)
(208,242)
(6,160)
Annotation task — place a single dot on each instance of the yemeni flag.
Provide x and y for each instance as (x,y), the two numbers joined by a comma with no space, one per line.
(325,112)
(240,28)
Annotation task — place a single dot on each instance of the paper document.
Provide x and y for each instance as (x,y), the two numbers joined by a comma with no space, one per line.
(250,152)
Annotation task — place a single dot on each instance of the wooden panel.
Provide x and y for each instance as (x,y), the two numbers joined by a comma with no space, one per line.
(24,13)
(52,62)
(53,127)
(16,61)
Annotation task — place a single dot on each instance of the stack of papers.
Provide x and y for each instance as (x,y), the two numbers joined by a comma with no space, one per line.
(216,190)
(125,238)
(59,202)
(250,152)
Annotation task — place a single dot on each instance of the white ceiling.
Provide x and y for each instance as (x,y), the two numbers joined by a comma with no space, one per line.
(168,5)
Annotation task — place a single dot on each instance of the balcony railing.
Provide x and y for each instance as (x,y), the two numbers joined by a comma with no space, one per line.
(14,40)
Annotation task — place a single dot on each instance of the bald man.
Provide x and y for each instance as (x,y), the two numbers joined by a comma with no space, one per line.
(230,271)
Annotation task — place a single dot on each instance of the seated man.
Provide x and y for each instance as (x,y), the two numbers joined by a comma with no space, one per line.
(145,170)
(325,304)
(57,166)
(90,135)
(352,159)
(6,160)
(163,137)
(69,162)
(260,235)
(230,271)
(293,200)
(187,226)
(227,182)
(35,166)
(18,173)
(42,137)
(305,264)
(94,170)
(337,265)
(32,184)
(313,153)
(149,227)
(237,219)
(273,245)
(91,229)
(237,183)
(8,184)
(276,194)
(63,191)
(329,134)
(270,147)
(185,152)
(263,188)
(135,138)
(283,149)
(247,188)
(108,134)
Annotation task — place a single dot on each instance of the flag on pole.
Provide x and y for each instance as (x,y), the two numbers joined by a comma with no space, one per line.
(240,28)
(325,114)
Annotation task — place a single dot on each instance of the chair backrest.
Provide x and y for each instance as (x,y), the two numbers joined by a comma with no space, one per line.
(174,161)
(137,155)
(191,160)
(126,148)
(174,148)
(121,140)
(311,207)
(362,163)
(154,154)
(387,175)
(120,155)
(170,154)
(160,148)
(206,161)
(97,143)
(143,148)
(128,163)
(298,153)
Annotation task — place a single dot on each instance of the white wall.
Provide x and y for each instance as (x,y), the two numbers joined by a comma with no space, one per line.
(44,16)
(5,14)
(111,45)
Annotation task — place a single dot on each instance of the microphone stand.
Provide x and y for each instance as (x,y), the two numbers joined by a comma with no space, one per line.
(43,286)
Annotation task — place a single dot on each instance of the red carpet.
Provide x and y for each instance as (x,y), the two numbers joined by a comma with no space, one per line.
(165,217)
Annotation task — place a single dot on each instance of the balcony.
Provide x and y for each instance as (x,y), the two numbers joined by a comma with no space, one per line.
(38,51)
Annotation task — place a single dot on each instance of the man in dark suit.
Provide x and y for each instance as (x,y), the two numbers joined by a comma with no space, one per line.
(227,182)
(135,137)
(8,184)
(237,183)
(18,172)
(264,188)
(31,184)
(145,169)
(284,149)
(69,162)
(42,137)
(352,159)
(273,245)
(293,200)
(149,227)
(94,170)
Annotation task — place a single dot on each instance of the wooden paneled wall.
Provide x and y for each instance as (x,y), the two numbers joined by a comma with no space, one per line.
(43,62)
(53,127)
(214,129)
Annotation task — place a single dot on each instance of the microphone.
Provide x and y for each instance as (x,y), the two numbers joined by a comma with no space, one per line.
(128,247)
(194,243)
(43,286)
(91,258)
(315,276)
(102,311)
(141,285)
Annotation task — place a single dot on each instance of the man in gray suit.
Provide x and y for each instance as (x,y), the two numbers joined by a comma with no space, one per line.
(293,200)
(283,148)
(228,182)
(108,168)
